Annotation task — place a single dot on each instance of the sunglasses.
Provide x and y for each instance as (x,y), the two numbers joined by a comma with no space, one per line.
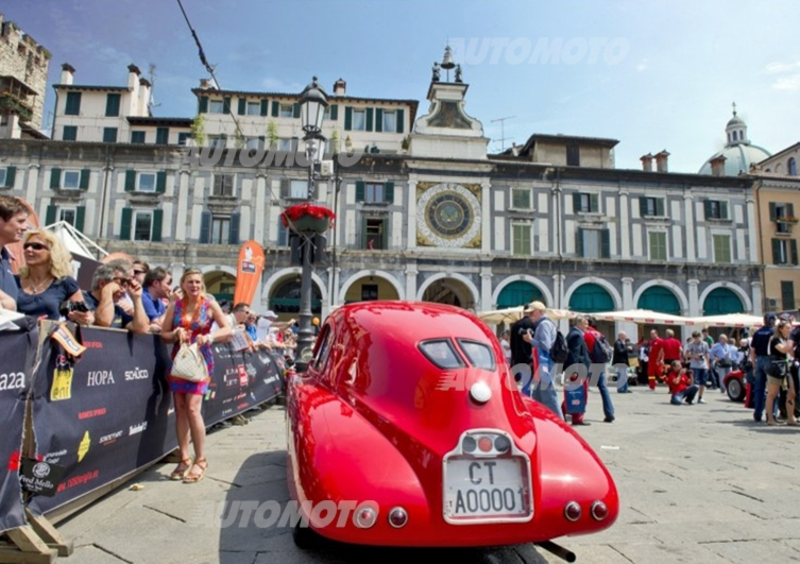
(123,282)
(139,272)
(35,246)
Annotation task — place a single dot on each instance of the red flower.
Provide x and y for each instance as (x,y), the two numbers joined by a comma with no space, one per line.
(301,210)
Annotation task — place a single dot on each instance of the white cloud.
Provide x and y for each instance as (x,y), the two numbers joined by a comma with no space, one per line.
(777,67)
(787,83)
(642,65)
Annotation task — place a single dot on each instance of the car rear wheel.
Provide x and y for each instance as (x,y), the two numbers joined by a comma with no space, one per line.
(735,390)
(305,538)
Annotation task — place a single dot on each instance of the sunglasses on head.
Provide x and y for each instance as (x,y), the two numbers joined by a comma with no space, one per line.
(35,246)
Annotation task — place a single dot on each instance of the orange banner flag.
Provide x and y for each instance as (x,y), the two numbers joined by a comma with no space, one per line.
(248,272)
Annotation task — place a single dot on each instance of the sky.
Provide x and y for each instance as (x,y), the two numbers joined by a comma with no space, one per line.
(654,75)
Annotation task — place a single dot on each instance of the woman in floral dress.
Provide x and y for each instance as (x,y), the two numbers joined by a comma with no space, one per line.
(189,319)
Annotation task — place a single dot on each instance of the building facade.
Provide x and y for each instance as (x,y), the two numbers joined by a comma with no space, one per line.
(423,212)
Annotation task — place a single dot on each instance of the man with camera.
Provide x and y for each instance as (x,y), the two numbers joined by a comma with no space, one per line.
(109,283)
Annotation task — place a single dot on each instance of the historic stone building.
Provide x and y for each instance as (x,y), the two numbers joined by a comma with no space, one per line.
(423,212)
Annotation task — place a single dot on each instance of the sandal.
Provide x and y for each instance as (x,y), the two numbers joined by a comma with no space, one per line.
(191,478)
(180,471)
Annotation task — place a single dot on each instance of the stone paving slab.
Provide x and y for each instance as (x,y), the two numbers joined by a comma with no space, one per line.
(698,484)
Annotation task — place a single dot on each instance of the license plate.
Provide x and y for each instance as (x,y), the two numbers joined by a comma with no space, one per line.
(487,489)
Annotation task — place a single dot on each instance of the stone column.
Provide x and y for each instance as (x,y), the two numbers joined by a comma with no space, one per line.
(627,303)
(624,225)
(412,219)
(411,281)
(486,289)
(690,226)
(757,297)
(33,185)
(260,210)
(486,219)
(752,236)
(694,298)
(183,204)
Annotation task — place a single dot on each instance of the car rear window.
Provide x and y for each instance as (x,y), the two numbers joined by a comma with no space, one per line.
(442,353)
(478,354)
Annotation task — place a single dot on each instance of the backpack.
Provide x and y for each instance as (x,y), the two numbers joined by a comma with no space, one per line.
(559,351)
(602,350)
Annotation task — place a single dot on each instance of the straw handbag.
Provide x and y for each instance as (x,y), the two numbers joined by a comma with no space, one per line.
(189,364)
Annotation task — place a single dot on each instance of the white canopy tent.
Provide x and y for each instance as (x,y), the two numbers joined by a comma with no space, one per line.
(512,314)
(737,320)
(641,317)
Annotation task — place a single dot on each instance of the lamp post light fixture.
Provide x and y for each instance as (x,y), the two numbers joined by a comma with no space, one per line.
(313,102)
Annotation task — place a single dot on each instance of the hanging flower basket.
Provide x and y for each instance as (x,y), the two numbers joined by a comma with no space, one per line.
(307,218)
(788,219)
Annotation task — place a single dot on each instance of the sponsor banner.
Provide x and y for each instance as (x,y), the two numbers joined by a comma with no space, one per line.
(248,272)
(102,414)
(241,381)
(17,351)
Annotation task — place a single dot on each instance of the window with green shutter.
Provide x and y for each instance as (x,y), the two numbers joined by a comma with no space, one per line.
(657,241)
(651,207)
(348,118)
(112,104)
(521,239)
(70,133)
(401,116)
(360,190)
(369,119)
(162,136)
(722,248)
(158,220)
(137,136)
(73,104)
(202,105)
(109,135)
(233,238)
(9,176)
(715,209)
(334,112)
(130,180)
(80,217)
(226,105)
(264,107)
(161,182)
(379,120)
(205,227)
(521,198)
(84,179)
(125,224)
(50,215)
(787,295)
(242,107)
(55,178)
(276,108)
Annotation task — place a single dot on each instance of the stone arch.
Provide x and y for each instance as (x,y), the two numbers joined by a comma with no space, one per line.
(382,274)
(278,276)
(526,278)
(741,294)
(684,302)
(605,284)
(455,276)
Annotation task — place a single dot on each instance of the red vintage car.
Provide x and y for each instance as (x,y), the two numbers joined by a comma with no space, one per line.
(409,416)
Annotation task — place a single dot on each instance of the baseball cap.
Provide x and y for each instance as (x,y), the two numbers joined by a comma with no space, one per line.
(534,306)
(770,318)
(269,314)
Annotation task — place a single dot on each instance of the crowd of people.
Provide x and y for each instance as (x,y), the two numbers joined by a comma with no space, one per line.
(131,295)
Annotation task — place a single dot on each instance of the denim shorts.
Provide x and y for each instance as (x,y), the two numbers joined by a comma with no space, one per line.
(700,376)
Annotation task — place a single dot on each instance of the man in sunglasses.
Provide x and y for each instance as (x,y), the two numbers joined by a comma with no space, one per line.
(109,283)
(13,224)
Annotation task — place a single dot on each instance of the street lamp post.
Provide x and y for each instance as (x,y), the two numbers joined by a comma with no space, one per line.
(313,102)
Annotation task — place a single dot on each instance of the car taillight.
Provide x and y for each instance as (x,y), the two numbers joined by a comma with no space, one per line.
(398,517)
(501,444)
(365,517)
(572,511)
(469,444)
(599,510)
(485,444)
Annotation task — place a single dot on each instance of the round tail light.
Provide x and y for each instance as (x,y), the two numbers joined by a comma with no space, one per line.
(501,444)
(599,510)
(365,517)
(485,444)
(398,517)
(469,444)
(572,511)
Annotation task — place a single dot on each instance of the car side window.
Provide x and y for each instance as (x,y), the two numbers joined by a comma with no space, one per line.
(442,353)
(478,354)
(325,338)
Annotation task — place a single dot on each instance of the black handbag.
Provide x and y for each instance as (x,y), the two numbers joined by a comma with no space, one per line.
(777,369)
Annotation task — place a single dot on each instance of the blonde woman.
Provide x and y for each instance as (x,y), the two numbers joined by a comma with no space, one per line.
(780,351)
(46,281)
(189,319)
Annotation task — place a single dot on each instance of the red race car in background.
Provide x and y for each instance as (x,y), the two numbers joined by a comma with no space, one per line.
(736,386)
(409,416)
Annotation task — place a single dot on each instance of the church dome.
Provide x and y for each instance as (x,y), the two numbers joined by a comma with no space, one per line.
(739,153)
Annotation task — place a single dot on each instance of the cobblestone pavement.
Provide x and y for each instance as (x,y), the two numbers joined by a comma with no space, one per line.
(698,484)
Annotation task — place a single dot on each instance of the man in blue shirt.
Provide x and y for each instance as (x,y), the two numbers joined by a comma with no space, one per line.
(760,357)
(108,284)
(157,286)
(542,388)
(13,224)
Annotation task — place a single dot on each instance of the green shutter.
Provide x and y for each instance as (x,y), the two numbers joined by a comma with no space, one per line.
(660,204)
(162,136)
(295,110)
(594,203)
(794,251)
(125,224)
(773,211)
(233,229)
(55,178)
(226,105)
(80,216)
(790,209)
(242,106)
(50,215)
(130,180)
(576,202)
(161,181)
(642,206)
(202,106)
(11,175)
(205,227)
(707,206)
(605,243)
(369,119)
(334,112)
(723,210)
(389,192)
(776,251)
(401,117)
(348,118)
(264,107)
(579,242)
(379,120)
(84,182)
(360,191)
(276,108)
(158,219)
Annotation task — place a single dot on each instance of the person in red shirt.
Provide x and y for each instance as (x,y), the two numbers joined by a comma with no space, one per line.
(655,360)
(673,348)
(680,384)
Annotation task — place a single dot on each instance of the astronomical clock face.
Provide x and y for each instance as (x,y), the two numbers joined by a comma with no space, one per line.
(448,216)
